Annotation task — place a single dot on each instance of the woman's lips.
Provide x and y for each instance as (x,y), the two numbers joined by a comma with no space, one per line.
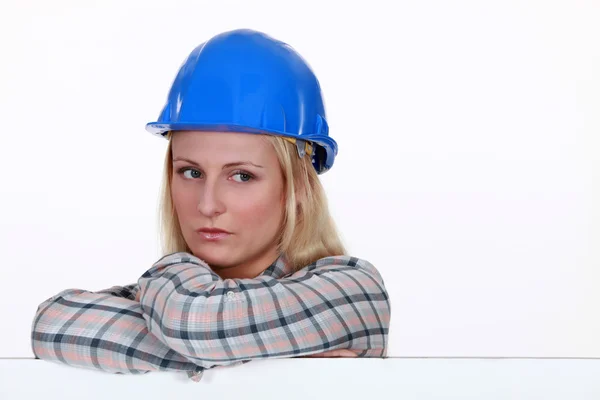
(213,236)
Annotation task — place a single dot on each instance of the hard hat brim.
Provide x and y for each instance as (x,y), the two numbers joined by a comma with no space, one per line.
(329,145)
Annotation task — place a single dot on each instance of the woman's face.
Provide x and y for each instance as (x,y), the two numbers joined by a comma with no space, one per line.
(229,181)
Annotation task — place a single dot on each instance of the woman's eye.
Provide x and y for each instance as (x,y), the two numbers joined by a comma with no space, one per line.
(244,177)
(190,173)
(194,174)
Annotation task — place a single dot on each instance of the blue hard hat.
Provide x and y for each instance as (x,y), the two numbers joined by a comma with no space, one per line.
(247,81)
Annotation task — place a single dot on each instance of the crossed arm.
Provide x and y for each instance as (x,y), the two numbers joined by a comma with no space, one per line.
(188,318)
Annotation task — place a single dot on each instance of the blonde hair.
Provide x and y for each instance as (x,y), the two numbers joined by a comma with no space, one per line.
(307,232)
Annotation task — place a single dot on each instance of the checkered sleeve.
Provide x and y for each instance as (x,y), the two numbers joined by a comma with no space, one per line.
(127,291)
(337,302)
(102,330)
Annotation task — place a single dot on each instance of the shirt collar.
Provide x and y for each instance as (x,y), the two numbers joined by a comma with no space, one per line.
(279,268)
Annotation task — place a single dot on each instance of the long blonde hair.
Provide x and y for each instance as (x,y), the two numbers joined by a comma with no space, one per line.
(308,231)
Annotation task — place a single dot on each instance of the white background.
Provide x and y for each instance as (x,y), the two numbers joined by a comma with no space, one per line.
(333,378)
(467,173)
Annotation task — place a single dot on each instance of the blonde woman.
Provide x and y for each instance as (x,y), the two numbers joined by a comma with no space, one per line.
(253,266)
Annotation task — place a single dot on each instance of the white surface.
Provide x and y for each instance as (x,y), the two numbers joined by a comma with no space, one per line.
(319,378)
(468,168)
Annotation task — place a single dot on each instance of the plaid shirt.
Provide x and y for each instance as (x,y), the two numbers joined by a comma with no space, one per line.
(189,319)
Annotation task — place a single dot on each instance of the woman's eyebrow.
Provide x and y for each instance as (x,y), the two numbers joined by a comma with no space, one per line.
(228,165)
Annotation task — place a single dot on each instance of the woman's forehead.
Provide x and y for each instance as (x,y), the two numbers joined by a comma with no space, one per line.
(220,145)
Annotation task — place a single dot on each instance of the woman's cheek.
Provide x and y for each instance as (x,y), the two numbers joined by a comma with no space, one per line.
(253,211)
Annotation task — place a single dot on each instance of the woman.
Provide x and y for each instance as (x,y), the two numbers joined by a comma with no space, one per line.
(253,265)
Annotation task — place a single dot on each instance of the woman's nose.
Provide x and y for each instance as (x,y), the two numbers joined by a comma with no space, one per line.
(209,201)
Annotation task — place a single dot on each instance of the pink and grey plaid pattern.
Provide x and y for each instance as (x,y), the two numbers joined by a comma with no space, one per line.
(189,319)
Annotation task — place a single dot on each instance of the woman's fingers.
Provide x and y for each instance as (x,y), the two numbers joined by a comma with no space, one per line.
(334,353)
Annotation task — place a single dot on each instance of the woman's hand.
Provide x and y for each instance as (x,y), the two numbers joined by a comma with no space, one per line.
(334,353)
(137,296)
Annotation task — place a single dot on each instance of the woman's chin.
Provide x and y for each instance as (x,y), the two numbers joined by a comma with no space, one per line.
(215,259)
